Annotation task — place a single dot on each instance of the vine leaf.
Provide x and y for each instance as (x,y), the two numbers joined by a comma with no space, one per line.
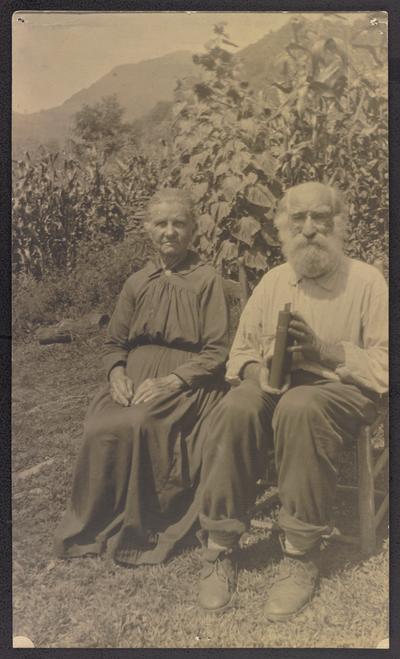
(231,186)
(228,251)
(269,235)
(206,225)
(220,210)
(260,195)
(253,258)
(245,229)
(198,191)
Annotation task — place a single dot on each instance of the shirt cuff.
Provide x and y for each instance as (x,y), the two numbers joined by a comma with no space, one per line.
(235,367)
(109,367)
(354,370)
(185,384)
(251,361)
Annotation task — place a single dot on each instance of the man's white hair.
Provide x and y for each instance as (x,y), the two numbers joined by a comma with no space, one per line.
(338,204)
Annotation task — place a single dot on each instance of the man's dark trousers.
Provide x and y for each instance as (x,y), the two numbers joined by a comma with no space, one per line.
(307,426)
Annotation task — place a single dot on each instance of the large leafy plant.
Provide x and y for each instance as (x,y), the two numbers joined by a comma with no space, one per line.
(324,118)
(332,123)
(220,135)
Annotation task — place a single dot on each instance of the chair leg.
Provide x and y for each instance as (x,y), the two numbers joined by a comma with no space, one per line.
(366,493)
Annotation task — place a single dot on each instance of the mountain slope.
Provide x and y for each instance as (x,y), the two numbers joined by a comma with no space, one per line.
(139,87)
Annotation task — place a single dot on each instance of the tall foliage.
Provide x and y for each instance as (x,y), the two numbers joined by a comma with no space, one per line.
(220,153)
(61,202)
(237,152)
(332,126)
(322,117)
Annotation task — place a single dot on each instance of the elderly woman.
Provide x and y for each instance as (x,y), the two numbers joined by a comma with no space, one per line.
(134,486)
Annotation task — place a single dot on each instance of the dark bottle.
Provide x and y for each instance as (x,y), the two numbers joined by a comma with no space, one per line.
(281,359)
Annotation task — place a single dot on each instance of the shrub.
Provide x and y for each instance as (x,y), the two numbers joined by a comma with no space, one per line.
(94,284)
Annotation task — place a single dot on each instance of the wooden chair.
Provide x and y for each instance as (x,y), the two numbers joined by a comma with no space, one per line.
(370,461)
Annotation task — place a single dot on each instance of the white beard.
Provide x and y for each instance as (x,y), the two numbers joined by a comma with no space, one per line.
(312,260)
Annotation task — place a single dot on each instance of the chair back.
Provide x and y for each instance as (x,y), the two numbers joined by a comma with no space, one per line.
(236,294)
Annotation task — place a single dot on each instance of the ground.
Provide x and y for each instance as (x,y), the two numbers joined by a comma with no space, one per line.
(91,602)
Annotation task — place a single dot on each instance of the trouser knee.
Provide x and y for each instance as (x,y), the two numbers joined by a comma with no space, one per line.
(238,422)
(307,439)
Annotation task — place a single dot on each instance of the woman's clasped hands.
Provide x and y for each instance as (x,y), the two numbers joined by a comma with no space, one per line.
(121,387)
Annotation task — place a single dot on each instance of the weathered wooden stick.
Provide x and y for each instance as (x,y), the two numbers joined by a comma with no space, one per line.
(93,320)
(64,330)
(47,335)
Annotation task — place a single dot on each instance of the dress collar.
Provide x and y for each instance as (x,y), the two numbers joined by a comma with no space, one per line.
(327,281)
(189,262)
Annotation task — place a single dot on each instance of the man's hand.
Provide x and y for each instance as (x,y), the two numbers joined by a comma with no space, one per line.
(121,386)
(307,341)
(265,373)
(154,387)
(312,348)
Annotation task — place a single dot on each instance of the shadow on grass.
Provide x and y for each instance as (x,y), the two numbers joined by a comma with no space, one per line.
(265,550)
(260,553)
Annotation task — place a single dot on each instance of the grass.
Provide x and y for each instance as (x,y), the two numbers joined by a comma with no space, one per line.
(91,602)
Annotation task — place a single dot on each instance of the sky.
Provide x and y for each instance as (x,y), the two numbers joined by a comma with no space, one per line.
(56,54)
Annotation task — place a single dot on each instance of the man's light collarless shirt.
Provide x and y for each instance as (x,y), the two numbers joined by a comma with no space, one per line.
(348,306)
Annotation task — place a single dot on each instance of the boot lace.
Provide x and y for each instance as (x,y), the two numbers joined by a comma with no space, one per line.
(224,568)
(302,572)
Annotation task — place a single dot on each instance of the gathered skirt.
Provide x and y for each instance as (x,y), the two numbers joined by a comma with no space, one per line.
(134,486)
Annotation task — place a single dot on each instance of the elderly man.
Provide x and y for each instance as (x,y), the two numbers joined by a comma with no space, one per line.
(339,369)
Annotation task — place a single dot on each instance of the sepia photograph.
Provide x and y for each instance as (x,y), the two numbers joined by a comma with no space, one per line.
(200,407)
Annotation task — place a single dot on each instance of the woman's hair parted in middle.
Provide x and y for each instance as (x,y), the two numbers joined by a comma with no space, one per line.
(171,195)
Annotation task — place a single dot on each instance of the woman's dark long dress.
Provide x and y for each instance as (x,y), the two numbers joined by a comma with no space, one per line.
(135,480)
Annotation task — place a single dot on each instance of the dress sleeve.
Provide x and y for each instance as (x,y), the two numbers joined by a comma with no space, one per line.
(249,344)
(115,349)
(210,361)
(367,365)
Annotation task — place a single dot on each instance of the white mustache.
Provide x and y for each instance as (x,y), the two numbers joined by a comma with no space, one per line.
(302,243)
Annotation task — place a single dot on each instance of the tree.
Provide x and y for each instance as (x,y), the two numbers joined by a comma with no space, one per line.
(100,129)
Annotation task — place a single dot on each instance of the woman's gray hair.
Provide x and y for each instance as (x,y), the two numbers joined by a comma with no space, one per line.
(168,195)
(338,203)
